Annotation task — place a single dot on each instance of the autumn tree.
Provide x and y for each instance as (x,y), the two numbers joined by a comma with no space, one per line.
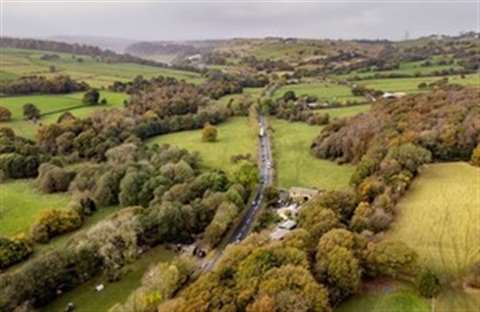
(5,114)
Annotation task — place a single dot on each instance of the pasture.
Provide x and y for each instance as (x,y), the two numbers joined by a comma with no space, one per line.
(410,85)
(401,300)
(87,299)
(236,136)
(405,68)
(51,107)
(295,165)
(324,91)
(438,217)
(20,203)
(20,62)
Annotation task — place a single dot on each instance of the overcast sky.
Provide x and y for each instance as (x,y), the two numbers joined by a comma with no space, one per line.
(180,20)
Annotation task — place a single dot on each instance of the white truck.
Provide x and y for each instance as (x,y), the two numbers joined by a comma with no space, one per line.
(262,132)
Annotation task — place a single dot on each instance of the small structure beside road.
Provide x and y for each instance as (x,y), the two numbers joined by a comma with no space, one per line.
(301,194)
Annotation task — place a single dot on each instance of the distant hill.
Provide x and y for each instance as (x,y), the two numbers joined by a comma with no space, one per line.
(115,44)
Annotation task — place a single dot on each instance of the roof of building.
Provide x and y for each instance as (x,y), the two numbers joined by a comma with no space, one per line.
(303,190)
(288,225)
(278,234)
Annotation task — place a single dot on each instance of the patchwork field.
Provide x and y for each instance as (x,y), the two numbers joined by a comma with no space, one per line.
(439,217)
(20,202)
(236,136)
(324,91)
(20,62)
(87,299)
(49,105)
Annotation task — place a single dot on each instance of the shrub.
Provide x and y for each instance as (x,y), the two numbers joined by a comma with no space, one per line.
(13,251)
(473,277)
(52,222)
(5,114)
(17,166)
(391,258)
(476,156)
(91,97)
(53,179)
(209,133)
(30,111)
(428,284)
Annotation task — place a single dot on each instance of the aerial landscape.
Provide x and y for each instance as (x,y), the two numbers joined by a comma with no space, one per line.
(240,156)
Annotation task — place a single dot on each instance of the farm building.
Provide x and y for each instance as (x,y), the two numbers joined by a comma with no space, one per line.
(393,95)
(278,234)
(301,193)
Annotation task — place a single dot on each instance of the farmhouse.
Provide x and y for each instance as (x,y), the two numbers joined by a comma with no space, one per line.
(301,193)
(393,95)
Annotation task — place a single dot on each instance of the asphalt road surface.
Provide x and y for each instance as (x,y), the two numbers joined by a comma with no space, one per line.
(266,178)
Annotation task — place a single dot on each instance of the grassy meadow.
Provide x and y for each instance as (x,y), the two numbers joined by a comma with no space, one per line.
(402,300)
(296,166)
(20,203)
(439,218)
(236,136)
(87,299)
(410,85)
(324,91)
(20,62)
(49,105)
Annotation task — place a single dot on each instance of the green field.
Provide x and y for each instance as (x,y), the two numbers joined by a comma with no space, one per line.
(236,136)
(324,91)
(403,300)
(87,299)
(410,85)
(20,203)
(253,92)
(52,103)
(439,217)
(406,68)
(20,62)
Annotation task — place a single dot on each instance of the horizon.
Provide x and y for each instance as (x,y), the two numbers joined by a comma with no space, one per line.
(220,20)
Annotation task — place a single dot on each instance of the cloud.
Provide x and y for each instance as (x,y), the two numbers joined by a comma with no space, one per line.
(168,20)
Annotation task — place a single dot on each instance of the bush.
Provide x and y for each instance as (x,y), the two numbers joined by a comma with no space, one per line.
(209,133)
(17,166)
(473,277)
(5,114)
(13,251)
(52,222)
(30,111)
(476,156)
(428,284)
(91,97)
(391,258)
(53,179)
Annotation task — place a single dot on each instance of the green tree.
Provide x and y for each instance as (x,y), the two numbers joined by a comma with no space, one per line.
(428,283)
(30,111)
(247,175)
(391,258)
(91,97)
